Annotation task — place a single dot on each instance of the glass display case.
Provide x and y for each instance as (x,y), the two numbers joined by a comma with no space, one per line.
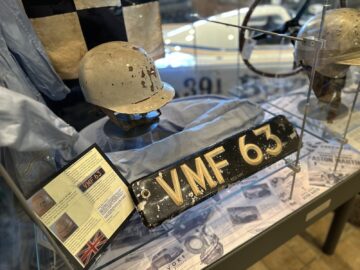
(234,64)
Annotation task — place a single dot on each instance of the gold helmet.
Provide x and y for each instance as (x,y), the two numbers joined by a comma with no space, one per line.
(341,32)
(121,77)
(341,49)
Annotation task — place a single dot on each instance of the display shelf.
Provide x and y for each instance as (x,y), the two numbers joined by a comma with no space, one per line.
(258,52)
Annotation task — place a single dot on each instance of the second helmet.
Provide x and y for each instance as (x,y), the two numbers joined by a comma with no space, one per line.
(341,32)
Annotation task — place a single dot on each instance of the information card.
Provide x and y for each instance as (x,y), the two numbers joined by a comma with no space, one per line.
(84,205)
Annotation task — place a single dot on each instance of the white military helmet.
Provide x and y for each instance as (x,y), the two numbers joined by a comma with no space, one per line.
(121,77)
(341,32)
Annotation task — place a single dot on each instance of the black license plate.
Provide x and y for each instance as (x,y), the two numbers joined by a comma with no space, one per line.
(171,190)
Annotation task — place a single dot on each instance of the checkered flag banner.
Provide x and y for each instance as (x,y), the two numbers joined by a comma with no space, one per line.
(69,28)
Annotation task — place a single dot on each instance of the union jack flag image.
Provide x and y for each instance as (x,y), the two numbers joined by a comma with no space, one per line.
(92,247)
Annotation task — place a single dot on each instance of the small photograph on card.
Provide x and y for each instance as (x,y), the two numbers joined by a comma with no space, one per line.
(64,227)
(241,215)
(41,202)
(257,192)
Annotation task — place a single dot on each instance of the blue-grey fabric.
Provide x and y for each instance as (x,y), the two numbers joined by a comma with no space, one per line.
(12,76)
(9,229)
(195,123)
(26,49)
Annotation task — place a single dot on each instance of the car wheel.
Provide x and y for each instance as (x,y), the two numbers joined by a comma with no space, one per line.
(194,244)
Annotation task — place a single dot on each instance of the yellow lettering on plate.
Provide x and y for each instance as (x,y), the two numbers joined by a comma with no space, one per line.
(196,179)
(175,194)
(216,167)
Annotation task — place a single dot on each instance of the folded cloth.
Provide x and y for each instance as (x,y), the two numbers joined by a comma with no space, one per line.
(194,124)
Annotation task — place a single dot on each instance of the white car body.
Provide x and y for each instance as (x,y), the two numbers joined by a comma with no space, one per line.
(202,58)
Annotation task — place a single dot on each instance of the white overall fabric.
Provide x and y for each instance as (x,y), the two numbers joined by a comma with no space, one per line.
(196,123)
(29,131)
(31,137)
(28,125)
(32,133)
(24,68)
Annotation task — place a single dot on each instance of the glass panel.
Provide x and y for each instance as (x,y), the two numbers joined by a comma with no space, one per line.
(317,94)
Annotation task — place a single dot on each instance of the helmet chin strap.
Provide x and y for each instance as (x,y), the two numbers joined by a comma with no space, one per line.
(334,103)
(328,91)
(127,122)
(334,106)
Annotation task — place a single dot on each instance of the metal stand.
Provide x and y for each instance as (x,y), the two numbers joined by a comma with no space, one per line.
(337,226)
(318,43)
(195,52)
(341,213)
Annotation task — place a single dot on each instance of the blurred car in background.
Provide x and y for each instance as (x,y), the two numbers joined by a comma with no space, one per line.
(241,215)
(202,57)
